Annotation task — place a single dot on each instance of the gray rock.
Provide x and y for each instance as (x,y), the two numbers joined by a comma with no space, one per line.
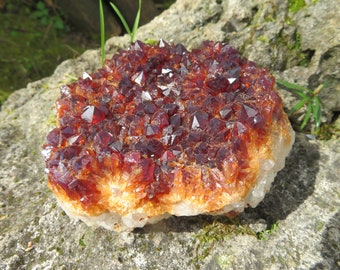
(296,226)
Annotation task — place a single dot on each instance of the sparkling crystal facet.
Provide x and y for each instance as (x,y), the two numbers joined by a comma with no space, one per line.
(92,115)
(199,120)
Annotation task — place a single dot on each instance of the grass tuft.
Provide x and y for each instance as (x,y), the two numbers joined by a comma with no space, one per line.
(309,100)
(132,32)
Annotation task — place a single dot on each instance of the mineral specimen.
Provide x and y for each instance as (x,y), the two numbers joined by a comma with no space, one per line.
(161,131)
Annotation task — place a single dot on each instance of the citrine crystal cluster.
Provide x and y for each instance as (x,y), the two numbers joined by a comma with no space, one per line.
(161,131)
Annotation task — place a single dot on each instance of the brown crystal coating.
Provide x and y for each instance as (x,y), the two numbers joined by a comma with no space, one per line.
(157,125)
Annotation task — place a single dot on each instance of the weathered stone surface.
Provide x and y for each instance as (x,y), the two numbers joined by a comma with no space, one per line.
(303,201)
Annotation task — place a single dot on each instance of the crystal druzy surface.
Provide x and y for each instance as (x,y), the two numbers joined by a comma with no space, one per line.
(158,118)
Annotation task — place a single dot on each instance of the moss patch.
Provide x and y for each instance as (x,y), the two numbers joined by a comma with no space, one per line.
(35,40)
(296,5)
(219,230)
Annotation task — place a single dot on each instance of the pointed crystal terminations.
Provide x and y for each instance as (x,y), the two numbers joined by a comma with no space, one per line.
(160,130)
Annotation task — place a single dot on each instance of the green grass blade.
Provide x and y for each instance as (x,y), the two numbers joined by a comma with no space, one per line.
(307,115)
(136,23)
(291,86)
(299,105)
(122,19)
(102,31)
(300,93)
(317,112)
